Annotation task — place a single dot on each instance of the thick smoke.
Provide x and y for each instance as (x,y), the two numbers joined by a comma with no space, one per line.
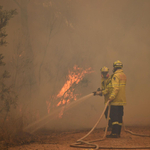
(86,33)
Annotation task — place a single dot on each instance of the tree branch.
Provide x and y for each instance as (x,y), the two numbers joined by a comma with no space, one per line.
(17,3)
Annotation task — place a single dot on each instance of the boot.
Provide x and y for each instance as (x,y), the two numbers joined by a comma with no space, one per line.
(113,136)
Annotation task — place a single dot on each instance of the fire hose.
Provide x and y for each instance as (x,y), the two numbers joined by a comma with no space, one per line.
(80,143)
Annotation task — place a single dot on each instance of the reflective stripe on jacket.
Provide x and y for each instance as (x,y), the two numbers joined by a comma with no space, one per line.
(116,88)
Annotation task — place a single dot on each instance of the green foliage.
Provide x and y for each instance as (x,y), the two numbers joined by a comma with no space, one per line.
(8,97)
(1,62)
(5,16)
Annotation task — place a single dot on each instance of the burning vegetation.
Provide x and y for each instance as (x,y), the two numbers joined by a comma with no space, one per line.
(67,93)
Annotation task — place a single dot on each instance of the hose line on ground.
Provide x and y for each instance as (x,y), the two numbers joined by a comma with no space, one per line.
(136,134)
(80,143)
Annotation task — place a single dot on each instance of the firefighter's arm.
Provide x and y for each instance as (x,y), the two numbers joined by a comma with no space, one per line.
(115,88)
(102,87)
(104,92)
(101,92)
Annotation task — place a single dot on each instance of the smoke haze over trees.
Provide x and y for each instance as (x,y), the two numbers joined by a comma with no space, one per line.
(48,37)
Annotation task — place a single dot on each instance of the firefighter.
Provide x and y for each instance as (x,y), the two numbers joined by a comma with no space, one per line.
(104,91)
(117,97)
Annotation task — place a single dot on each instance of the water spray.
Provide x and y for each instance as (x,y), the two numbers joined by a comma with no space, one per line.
(39,123)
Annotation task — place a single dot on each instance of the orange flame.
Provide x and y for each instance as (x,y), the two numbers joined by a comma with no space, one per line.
(73,77)
(66,92)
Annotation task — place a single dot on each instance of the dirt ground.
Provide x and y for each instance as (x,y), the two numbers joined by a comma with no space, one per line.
(61,140)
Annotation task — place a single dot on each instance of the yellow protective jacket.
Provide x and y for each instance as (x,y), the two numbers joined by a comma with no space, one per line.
(116,88)
(104,82)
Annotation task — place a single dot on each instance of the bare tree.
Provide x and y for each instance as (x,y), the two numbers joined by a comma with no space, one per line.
(24,53)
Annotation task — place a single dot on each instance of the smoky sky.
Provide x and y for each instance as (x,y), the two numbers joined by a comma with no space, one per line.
(86,33)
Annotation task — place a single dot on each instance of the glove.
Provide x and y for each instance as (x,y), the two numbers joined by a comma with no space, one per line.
(98,89)
(97,93)
(94,93)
